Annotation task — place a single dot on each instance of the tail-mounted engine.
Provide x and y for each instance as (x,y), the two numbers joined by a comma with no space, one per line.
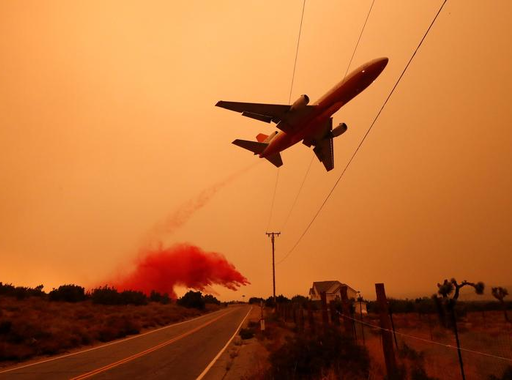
(300,103)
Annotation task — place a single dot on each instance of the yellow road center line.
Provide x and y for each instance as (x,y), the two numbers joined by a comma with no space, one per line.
(145,352)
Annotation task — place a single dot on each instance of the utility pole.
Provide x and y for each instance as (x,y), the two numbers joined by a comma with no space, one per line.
(272,237)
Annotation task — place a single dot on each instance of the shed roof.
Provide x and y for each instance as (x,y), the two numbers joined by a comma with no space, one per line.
(329,286)
(325,286)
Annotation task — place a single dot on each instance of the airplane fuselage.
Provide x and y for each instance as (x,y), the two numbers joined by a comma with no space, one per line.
(309,127)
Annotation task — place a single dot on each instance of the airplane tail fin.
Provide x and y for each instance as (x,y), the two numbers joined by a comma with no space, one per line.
(266,138)
(261,137)
(254,146)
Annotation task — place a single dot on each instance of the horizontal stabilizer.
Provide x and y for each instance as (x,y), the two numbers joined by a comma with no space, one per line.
(254,146)
(275,159)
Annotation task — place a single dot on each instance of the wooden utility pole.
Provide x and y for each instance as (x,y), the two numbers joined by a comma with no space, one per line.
(272,238)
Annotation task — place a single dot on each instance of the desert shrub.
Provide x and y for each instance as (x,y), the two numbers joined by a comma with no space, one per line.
(21,292)
(406,351)
(37,291)
(6,289)
(192,300)
(110,296)
(5,327)
(424,305)
(161,298)
(105,296)
(14,352)
(208,298)
(253,324)
(123,325)
(132,297)
(269,302)
(401,306)
(304,357)
(68,293)
(418,373)
(300,299)
(246,333)
(255,300)
(507,375)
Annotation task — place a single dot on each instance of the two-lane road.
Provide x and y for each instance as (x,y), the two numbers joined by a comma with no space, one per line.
(179,351)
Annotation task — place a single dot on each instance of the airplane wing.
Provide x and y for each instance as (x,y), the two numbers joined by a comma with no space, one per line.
(323,145)
(258,111)
(324,150)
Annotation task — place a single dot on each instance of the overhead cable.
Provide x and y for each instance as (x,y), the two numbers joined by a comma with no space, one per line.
(364,137)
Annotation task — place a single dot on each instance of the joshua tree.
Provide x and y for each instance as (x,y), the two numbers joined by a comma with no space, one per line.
(500,293)
(452,286)
(445,290)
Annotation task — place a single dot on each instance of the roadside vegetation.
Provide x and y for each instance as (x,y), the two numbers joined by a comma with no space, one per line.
(425,344)
(34,323)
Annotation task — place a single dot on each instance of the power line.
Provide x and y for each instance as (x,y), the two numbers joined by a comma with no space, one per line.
(346,71)
(297,51)
(359,39)
(289,100)
(423,339)
(273,200)
(365,135)
(297,196)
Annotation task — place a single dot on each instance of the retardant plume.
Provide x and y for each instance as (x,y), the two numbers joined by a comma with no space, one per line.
(179,217)
(180,265)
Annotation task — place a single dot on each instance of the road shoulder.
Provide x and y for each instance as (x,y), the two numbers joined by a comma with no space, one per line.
(243,358)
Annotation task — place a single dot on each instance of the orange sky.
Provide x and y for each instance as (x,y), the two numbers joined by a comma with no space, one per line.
(108,125)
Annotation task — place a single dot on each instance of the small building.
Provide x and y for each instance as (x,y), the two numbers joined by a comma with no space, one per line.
(332,291)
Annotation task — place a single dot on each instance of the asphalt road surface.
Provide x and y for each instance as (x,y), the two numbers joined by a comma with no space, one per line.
(179,351)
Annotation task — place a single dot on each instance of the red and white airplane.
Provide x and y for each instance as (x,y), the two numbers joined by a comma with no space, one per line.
(311,124)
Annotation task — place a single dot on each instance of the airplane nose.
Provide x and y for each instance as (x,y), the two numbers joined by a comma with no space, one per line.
(383,62)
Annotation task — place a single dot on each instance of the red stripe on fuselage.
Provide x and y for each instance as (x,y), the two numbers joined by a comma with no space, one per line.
(326,106)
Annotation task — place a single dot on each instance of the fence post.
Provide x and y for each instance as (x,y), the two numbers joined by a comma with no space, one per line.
(345,305)
(334,314)
(353,320)
(387,339)
(300,319)
(311,317)
(454,319)
(393,327)
(325,317)
(362,321)
(430,327)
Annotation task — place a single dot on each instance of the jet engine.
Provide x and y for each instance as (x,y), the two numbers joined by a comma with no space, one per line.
(300,103)
(339,130)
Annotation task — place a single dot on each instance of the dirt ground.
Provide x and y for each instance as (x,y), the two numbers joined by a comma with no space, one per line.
(243,359)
